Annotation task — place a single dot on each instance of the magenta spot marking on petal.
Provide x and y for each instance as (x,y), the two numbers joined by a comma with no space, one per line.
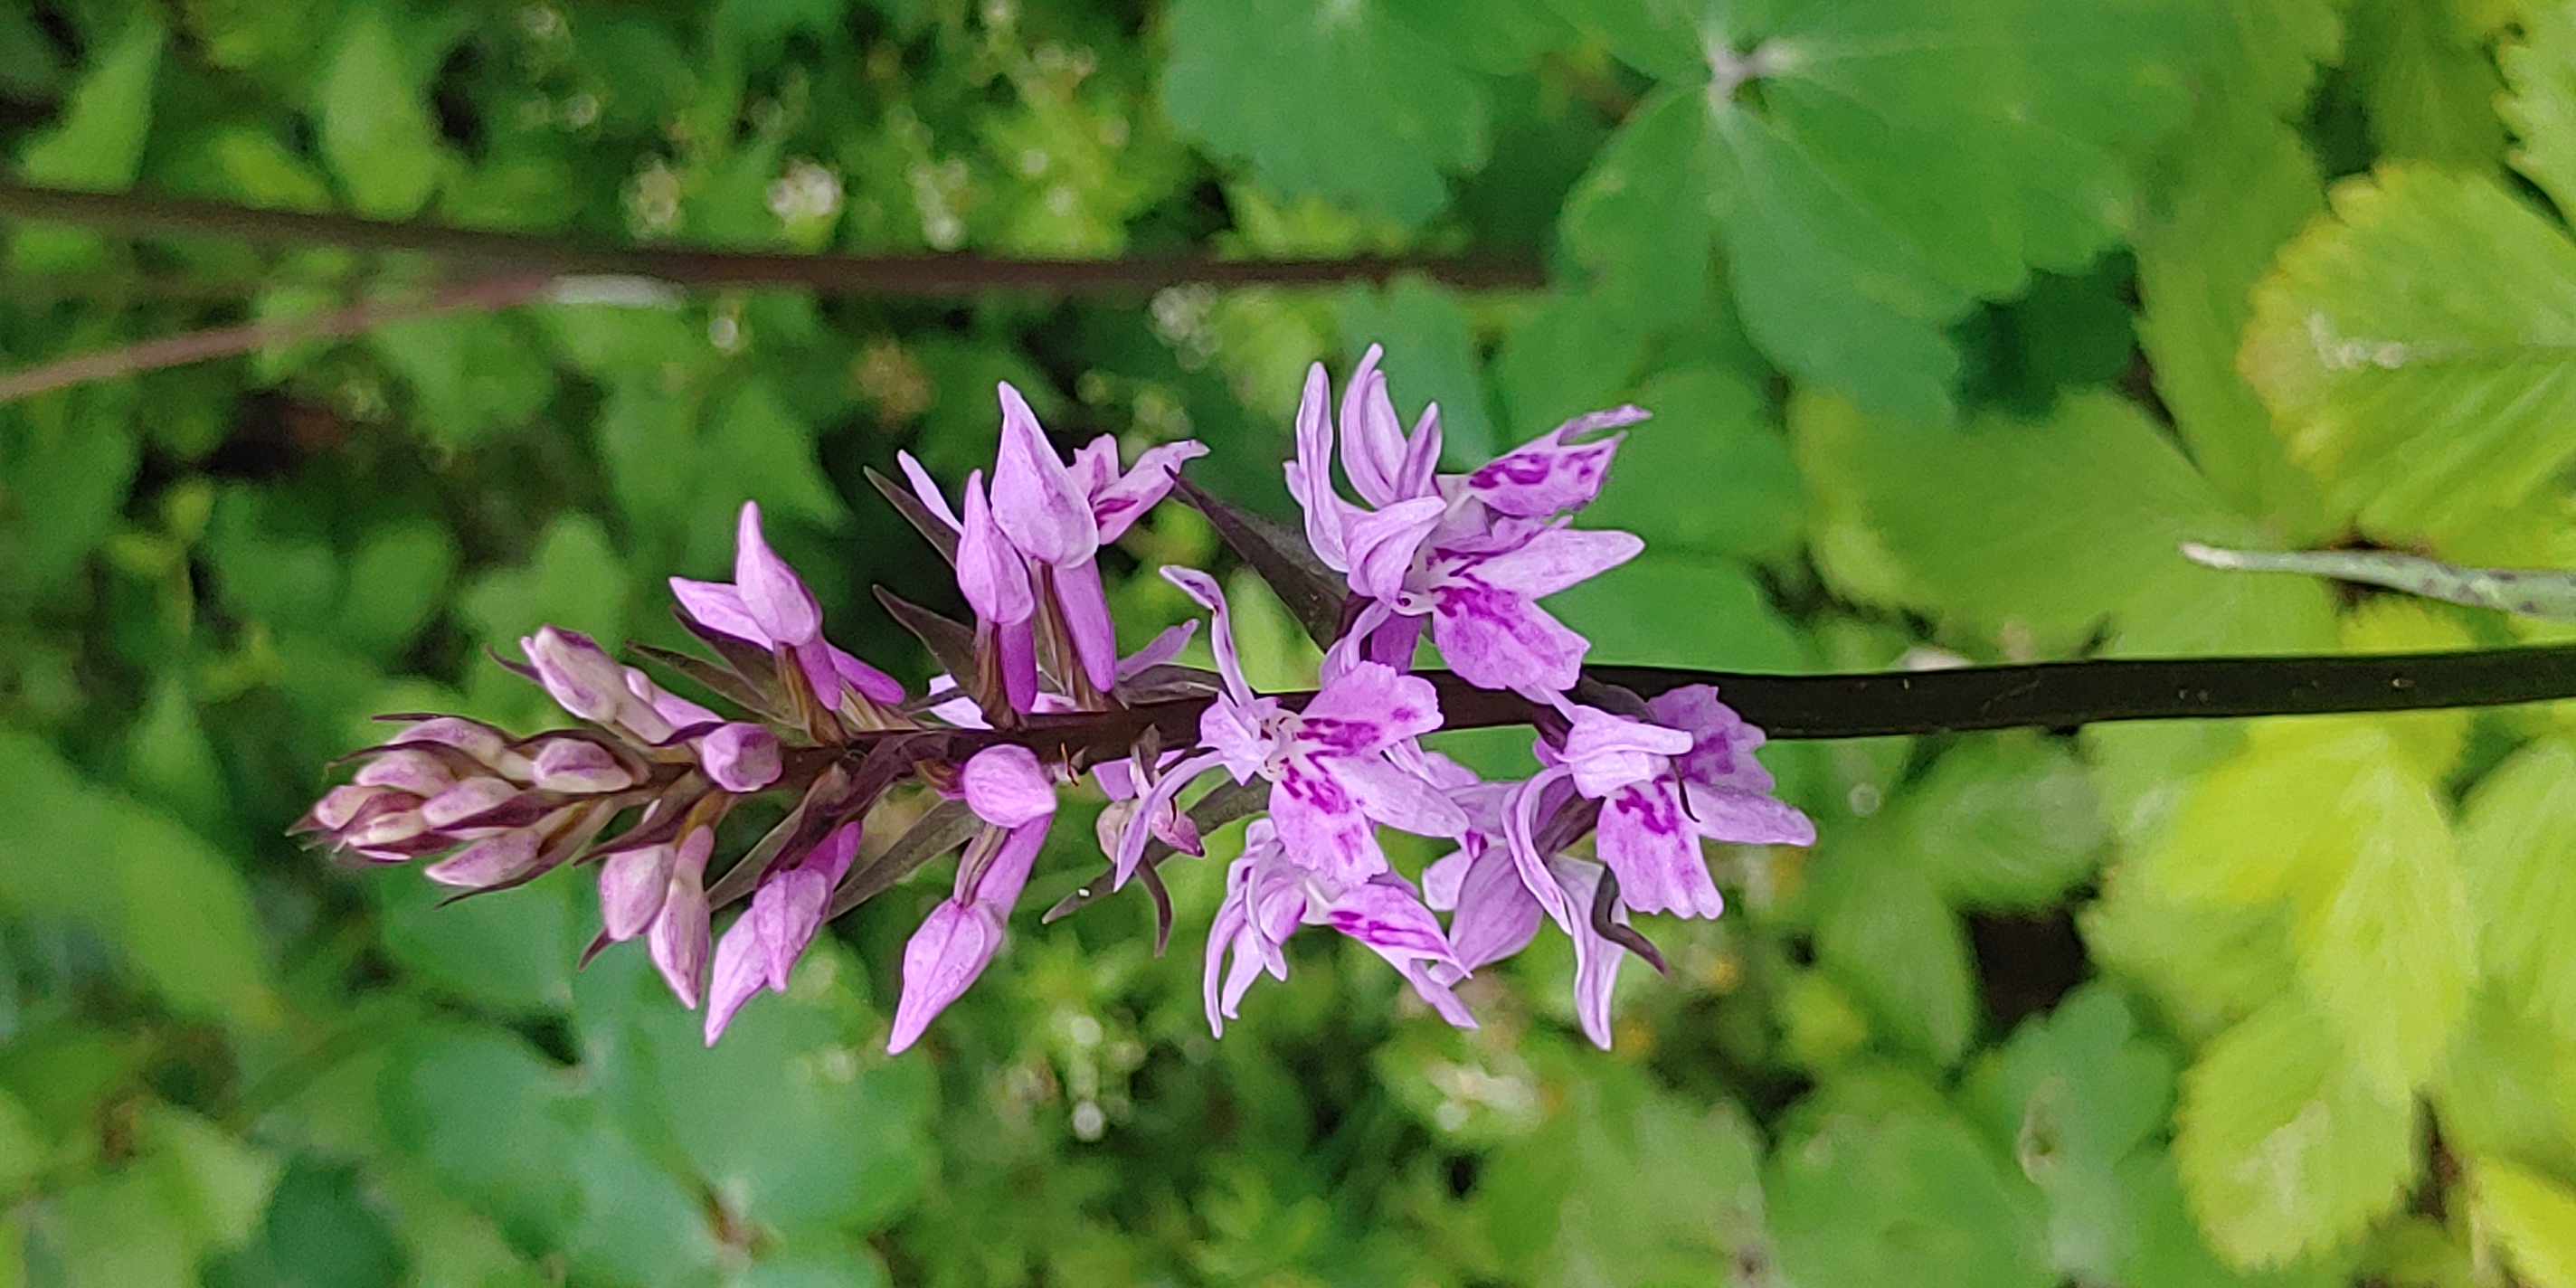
(1657,812)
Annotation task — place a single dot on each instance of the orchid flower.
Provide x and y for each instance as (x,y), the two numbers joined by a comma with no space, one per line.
(1268,895)
(763,945)
(1332,775)
(993,575)
(768,605)
(1009,791)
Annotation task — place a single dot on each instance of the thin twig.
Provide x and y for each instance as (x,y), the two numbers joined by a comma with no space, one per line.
(225,342)
(148,214)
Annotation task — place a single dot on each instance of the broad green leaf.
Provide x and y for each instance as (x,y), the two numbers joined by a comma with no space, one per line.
(2070,1096)
(797,1120)
(2534,1217)
(1900,1197)
(637,1224)
(2416,351)
(2541,69)
(2431,741)
(512,951)
(99,142)
(1380,114)
(2205,965)
(2042,530)
(2283,1147)
(493,1119)
(1640,219)
(2508,1089)
(170,760)
(398,581)
(2226,206)
(372,109)
(472,375)
(249,165)
(320,1231)
(1627,1184)
(2004,821)
(1573,354)
(574,580)
(1680,610)
(170,905)
(121,1231)
(70,460)
(218,1183)
(2330,817)
(2426,81)
(1876,168)
(1430,357)
(759,448)
(2520,864)
(1882,929)
(1709,475)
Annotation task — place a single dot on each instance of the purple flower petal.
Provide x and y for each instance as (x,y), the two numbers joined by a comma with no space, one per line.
(1549,475)
(924,487)
(740,757)
(465,800)
(1367,708)
(1389,919)
(1310,475)
(1125,499)
(1157,651)
(990,570)
(1017,645)
(1645,839)
(632,886)
(566,764)
(488,862)
(1555,558)
(1389,795)
(1499,639)
(580,675)
(771,591)
(1604,752)
(1496,915)
(670,709)
(1006,787)
(1382,545)
(678,938)
(1086,618)
(788,908)
(718,606)
(1722,748)
(1321,826)
(1203,589)
(940,962)
(1035,499)
(1746,817)
(1596,960)
(740,962)
(873,684)
(417,772)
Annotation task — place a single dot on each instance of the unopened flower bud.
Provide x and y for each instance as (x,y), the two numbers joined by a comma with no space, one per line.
(491,861)
(740,757)
(566,764)
(417,772)
(465,800)
(578,673)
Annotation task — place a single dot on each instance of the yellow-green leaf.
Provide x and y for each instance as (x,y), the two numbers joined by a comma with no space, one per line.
(2281,1148)
(2534,1217)
(2419,351)
(2519,856)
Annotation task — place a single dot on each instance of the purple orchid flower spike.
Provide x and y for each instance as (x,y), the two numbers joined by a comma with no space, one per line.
(767,604)
(1333,778)
(993,575)
(764,944)
(1060,515)
(1269,895)
(1008,789)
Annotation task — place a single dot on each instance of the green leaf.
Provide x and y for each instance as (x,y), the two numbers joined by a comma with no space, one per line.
(797,1120)
(1573,354)
(1680,610)
(1884,1197)
(70,461)
(372,107)
(757,447)
(249,165)
(2284,1146)
(1431,348)
(2415,351)
(471,374)
(99,143)
(2541,69)
(1882,928)
(2534,1217)
(1640,218)
(1709,475)
(2505,1091)
(2005,821)
(1380,112)
(1626,1184)
(512,951)
(2426,82)
(1876,168)
(493,1119)
(2520,864)
(2205,965)
(2046,529)
(2070,1096)
(2329,816)
(398,581)
(574,580)
(170,760)
(173,908)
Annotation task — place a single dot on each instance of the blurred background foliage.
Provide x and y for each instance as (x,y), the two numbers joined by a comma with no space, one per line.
(1955,316)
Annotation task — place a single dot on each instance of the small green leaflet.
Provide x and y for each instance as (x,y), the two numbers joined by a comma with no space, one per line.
(2544,593)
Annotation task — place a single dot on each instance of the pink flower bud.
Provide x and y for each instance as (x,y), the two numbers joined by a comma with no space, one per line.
(740,757)
(488,862)
(1005,786)
(772,593)
(580,674)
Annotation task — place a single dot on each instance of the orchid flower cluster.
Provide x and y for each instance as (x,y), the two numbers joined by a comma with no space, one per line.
(1037,701)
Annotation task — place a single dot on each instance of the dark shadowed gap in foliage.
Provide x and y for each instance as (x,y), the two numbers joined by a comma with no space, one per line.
(271,435)
(2025,961)
(452,101)
(1462,1169)
(552,1034)
(2063,331)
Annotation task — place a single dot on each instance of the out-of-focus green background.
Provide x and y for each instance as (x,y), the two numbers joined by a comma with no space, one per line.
(1955,316)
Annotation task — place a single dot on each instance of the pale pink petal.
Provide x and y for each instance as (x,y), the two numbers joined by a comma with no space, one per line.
(990,570)
(1366,708)
(1556,558)
(578,673)
(1496,915)
(1655,852)
(1398,799)
(1596,960)
(1497,639)
(771,591)
(1382,546)
(1006,787)
(1549,475)
(718,606)
(740,757)
(1157,651)
(488,862)
(632,886)
(1035,498)
(1127,498)
(578,765)
(1747,818)
(1310,475)
(927,489)
(941,961)
(737,975)
(1203,589)
(1086,618)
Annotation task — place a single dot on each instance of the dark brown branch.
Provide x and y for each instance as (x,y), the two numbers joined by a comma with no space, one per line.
(225,342)
(150,215)
(2049,695)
